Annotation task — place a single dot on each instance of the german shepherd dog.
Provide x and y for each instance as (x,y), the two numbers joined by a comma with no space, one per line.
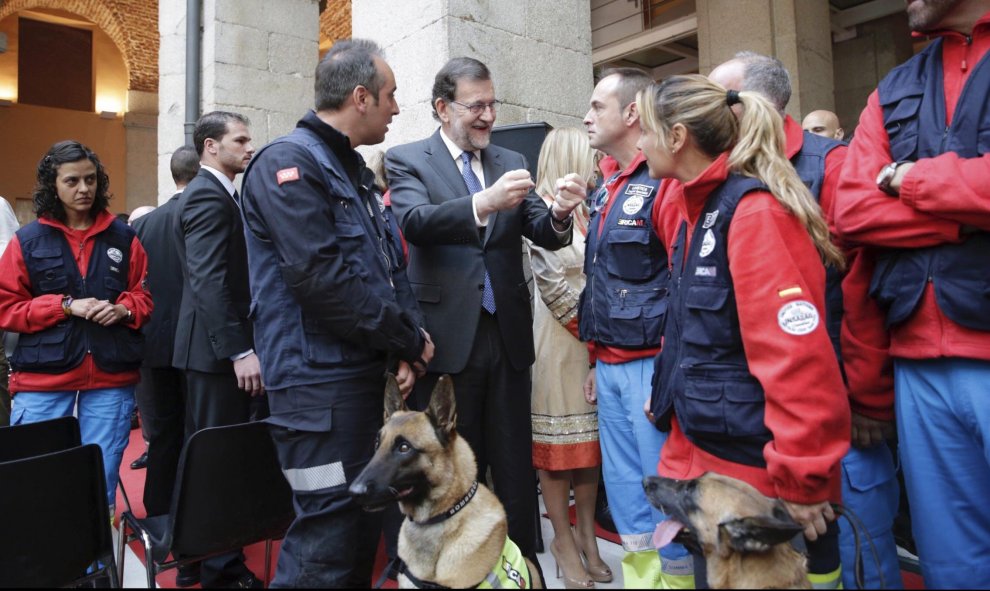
(455,529)
(742,534)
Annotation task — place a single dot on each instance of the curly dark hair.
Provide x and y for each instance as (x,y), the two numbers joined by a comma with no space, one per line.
(46,201)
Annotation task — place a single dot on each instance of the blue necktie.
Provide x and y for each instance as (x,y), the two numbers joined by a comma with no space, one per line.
(474,186)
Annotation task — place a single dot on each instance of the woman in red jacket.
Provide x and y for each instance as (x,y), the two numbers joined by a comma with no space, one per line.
(71,283)
(748,384)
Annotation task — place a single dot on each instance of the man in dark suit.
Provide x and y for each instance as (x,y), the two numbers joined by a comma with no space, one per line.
(161,395)
(465,245)
(213,337)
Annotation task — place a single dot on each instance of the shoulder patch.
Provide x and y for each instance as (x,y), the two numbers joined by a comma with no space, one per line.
(287,174)
(798,317)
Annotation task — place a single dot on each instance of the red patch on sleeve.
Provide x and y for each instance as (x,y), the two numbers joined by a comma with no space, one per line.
(287,174)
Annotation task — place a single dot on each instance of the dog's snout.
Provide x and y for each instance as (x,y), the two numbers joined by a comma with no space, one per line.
(650,484)
(358,489)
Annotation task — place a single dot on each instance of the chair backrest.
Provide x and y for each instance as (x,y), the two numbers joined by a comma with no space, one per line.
(55,520)
(35,439)
(229,492)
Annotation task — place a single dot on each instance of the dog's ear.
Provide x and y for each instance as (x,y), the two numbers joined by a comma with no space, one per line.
(443,410)
(393,398)
(757,534)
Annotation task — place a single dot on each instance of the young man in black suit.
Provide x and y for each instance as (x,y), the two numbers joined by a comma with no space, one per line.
(464,206)
(213,338)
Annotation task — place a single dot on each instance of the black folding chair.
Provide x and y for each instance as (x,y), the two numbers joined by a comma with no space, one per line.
(229,493)
(34,439)
(55,530)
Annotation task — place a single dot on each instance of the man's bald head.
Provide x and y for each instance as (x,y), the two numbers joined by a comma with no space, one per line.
(140,211)
(823,123)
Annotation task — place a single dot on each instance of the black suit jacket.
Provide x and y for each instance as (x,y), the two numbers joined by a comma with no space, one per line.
(213,321)
(447,258)
(157,234)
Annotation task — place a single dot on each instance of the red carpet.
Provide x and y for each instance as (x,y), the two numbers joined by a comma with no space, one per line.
(133,481)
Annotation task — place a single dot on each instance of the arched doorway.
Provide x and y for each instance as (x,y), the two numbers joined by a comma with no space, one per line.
(49,50)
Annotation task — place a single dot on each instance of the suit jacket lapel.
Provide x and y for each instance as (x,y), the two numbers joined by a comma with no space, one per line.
(439,158)
(494,169)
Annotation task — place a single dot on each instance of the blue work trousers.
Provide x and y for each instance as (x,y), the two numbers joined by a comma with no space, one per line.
(871,492)
(630,451)
(943,422)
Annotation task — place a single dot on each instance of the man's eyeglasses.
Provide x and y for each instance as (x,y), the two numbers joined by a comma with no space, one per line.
(479,108)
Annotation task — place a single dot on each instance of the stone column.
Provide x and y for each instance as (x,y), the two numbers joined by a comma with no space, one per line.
(794,31)
(539,54)
(141,137)
(259,59)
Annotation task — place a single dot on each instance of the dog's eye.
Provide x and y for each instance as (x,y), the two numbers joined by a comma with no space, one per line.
(404,448)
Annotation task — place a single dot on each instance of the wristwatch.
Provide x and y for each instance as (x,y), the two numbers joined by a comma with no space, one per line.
(886,177)
(67,305)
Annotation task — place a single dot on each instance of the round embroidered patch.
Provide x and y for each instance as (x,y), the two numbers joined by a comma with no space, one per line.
(632,205)
(799,317)
(115,255)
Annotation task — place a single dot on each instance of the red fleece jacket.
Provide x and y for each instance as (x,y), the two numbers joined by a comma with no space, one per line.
(20,312)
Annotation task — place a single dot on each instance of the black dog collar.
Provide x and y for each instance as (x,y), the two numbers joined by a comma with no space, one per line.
(453,510)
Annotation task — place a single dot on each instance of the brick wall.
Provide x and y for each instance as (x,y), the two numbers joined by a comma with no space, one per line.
(132,24)
(335,22)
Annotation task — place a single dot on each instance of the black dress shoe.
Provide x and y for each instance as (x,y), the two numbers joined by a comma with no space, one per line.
(248,581)
(188,575)
(140,463)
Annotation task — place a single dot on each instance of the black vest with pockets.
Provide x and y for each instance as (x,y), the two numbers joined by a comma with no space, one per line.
(625,298)
(52,269)
(913,101)
(703,376)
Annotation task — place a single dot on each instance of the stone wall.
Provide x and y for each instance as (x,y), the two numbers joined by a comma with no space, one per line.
(539,54)
(259,59)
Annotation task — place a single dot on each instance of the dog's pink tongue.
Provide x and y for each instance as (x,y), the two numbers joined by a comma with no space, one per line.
(665,532)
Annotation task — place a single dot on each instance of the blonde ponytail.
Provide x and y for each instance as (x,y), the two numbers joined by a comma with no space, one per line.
(756,139)
(760,153)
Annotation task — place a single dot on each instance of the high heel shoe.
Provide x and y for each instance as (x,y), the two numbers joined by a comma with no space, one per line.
(599,573)
(569,583)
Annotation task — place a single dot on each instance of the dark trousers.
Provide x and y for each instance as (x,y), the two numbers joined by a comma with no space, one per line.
(332,542)
(493,415)
(161,399)
(214,400)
